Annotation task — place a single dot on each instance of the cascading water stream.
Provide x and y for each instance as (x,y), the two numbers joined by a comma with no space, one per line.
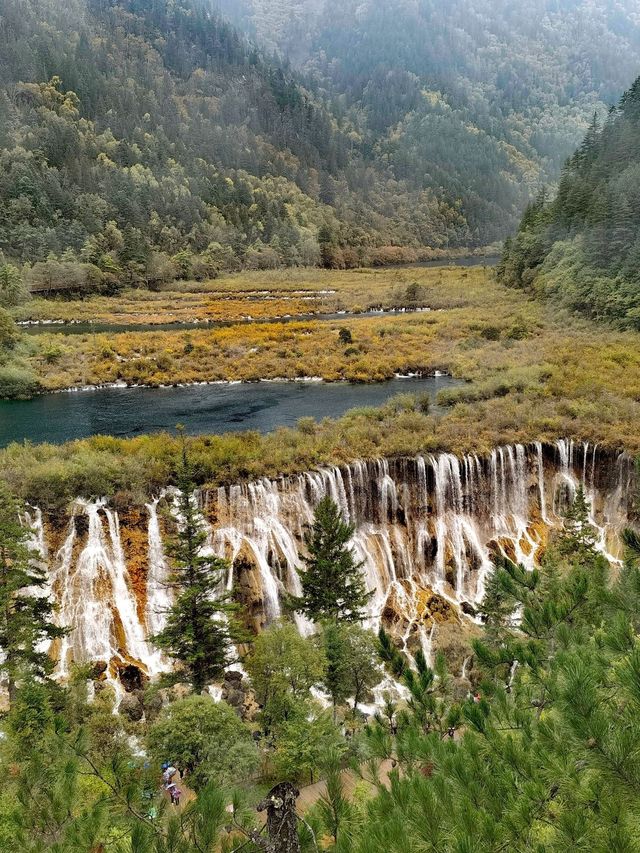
(158,597)
(422,526)
(94,595)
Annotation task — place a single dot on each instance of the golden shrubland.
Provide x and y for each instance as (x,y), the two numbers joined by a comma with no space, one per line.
(531,374)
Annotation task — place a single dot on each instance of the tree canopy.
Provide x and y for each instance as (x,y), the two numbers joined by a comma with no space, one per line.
(582,248)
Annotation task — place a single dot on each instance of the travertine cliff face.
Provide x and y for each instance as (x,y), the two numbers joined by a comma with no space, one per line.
(426,530)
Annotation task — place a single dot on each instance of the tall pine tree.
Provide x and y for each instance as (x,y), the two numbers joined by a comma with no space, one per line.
(199,627)
(579,539)
(333,588)
(26,610)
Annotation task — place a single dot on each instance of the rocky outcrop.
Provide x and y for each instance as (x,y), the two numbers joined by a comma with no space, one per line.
(131,707)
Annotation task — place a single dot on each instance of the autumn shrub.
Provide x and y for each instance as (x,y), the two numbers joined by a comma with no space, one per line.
(307,426)
(389,255)
(17,383)
(491,333)
(52,354)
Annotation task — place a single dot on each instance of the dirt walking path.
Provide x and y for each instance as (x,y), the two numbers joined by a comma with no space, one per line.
(310,794)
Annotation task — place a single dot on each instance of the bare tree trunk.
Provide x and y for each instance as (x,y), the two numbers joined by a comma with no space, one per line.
(282,821)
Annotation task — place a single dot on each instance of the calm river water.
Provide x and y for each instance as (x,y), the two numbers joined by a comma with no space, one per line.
(202,409)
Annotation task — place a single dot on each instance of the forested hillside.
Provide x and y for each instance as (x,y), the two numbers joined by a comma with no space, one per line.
(583,247)
(142,141)
(484,98)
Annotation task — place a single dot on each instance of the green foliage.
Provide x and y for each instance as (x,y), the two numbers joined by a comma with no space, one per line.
(62,801)
(304,743)
(26,611)
(582,248)
(335,809)
(12,290)
(8,331)
(336,676)
(283,666)
(411,297)
(580,537)
(17,383)
(506,382)
(352,669)
(30,719)
(205,738)
(389,654)
(333,588)
(197,633)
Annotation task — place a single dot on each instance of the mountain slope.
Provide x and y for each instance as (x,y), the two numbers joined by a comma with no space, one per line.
(133,130)
(583,247)
(484,98)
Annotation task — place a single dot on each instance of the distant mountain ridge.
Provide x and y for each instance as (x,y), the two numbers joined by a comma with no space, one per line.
(481,98)
(147,140)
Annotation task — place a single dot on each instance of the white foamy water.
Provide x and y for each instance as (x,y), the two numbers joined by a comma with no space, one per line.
(423,523)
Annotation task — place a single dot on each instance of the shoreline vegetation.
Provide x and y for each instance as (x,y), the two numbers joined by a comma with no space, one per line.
(532,373)
(458,321)
(263,294)
(581,248)
(130,471)
(115,386)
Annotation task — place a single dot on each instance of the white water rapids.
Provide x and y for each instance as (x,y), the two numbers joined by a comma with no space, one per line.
(422,524)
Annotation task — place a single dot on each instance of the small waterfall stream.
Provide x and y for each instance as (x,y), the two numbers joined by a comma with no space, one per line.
(425,526)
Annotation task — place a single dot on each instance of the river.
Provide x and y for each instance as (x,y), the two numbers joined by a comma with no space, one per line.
(203,409)
(88,328)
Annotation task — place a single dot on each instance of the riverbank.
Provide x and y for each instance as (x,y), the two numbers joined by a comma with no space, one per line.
(530,373)
(80,327)
(248,296)
(476,330)
(446,307)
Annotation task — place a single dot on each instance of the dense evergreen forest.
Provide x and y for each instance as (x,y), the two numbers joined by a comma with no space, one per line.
(482,98)
(582,248)
(147,141)
(142,142)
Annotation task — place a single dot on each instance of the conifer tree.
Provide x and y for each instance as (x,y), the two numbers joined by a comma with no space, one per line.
(333,588)
(336,678)
(579,537)
(26,611)
(394,660)
(199,627)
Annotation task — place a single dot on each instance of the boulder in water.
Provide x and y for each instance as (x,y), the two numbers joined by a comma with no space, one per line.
(468,608)
(131,707)
(132,677)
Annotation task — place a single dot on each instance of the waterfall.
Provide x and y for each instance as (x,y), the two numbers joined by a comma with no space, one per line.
(158,597)
(34,522)
(541,488)
(94,595)
(426,529)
